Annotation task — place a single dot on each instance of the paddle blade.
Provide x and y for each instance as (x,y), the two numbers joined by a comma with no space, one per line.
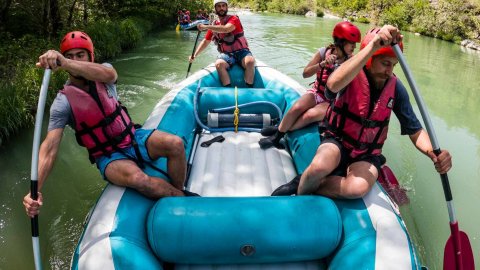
(177,28)
(390,184)
(464,255)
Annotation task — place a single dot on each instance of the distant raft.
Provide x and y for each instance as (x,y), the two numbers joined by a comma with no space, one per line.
(192,25)
(236,224)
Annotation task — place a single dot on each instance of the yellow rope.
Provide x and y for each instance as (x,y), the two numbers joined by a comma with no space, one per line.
(236,112)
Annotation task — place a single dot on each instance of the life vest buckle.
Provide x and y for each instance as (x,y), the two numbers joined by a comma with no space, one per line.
(369,123)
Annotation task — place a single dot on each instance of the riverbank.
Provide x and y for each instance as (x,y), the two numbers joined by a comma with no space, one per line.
(471,44)
(450,20)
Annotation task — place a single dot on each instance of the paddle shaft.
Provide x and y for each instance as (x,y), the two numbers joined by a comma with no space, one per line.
(192,152)
(193,52)
(34,172)
(436,149)
(429,127)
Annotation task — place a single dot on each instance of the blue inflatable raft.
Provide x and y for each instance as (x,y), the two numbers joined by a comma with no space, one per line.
(236,224)
(193,25)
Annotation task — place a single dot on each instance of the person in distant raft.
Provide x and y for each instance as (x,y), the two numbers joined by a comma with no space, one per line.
(227,33)
(88,103)
(365,92)
(312,106)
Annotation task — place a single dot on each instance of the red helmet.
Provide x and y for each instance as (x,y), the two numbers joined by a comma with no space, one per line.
(384,50)
(348,31)
(77,40)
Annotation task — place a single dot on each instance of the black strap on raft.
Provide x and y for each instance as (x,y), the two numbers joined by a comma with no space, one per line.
(219,139)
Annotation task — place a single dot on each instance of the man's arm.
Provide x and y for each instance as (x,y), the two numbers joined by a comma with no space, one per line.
(47,155)
(199,49)
(90,71)
(421,140)
(227,28)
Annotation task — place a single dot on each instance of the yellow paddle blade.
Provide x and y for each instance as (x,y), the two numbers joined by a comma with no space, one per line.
(178,27)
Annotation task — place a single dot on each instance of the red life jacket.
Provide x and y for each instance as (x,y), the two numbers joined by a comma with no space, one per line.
(229,42)
(323,74)
(102,125)
(349,119)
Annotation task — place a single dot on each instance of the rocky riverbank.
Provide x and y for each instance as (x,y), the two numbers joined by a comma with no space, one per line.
(471,44)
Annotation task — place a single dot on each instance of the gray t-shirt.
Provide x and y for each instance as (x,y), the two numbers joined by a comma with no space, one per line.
(61,111)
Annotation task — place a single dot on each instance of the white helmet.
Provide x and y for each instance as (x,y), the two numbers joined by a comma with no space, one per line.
(219,1)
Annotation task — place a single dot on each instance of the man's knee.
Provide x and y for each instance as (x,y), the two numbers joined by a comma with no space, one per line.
(221,65)
(175,145)
(249,61)
(358,188)
(318,168)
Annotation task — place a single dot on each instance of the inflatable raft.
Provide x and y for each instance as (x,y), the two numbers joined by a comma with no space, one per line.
(236,224)
(192,25)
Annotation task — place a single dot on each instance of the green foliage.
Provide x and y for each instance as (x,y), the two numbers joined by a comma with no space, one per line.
(363,20)
(106,37)
(298,7)
(20,96)
(113,25)
(259,5)
(132,30)
(395,15)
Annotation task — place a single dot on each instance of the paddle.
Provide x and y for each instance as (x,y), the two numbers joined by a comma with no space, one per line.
(193,52)
(34,173)
(389,182)
(458,251)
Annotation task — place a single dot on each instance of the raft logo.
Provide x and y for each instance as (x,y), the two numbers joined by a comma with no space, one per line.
(390,103)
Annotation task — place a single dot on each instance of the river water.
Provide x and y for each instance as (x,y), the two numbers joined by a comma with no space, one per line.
(446,74)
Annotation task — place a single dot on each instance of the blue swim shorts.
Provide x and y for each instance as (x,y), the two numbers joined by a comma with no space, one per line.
(235,57)
(141,136)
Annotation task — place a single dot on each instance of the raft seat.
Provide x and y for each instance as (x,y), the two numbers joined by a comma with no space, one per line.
(243,230)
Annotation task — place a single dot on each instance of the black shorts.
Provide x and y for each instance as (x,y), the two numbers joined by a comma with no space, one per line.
(346,160)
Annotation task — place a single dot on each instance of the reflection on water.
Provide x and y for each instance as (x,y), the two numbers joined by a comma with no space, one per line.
(446,74)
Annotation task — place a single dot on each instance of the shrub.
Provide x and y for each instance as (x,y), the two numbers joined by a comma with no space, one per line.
(363,20)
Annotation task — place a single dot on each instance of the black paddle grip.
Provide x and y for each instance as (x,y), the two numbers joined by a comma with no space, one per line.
(34,221)
(445,183)
(34,196)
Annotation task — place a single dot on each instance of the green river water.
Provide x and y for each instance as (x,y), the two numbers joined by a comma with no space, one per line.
(446,74)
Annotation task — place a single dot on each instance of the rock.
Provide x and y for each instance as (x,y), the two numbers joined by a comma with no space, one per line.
(311,14)
(330,16)
(471,44)
(417,34)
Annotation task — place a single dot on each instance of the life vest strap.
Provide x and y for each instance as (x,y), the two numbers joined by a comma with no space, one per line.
(102,123)
(365,122)
(112,142)
(359,145)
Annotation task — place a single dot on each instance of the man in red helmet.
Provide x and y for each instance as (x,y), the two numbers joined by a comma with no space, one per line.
(88,103)
(227,33)
(365,92)
(312,106)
